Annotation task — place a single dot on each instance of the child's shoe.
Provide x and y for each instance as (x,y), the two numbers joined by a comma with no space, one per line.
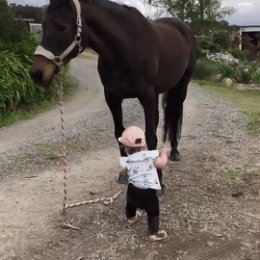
(158,237)
(136,218)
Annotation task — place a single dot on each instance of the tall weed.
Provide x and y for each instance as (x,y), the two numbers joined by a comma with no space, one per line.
(16,85)
(205,69)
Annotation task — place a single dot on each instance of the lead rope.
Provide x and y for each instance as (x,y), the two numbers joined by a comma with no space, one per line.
(64,147)
(105,200)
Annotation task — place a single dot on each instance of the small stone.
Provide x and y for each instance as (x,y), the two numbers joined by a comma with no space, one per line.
(228,82)
(210,243)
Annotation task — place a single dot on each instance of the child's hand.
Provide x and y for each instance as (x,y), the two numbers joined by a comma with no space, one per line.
(161,161)
(165,150)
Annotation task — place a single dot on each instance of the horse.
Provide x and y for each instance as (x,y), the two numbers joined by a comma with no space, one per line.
(137,58)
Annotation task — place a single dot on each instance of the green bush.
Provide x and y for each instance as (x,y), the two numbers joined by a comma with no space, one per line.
(17,90)
(243,55)
(247,72)
(205,69)
(243,74)
(10,30)
(18,93)
(254,72)
(256,77)
(20,98)
(227,70)
(15,83)
(16,86)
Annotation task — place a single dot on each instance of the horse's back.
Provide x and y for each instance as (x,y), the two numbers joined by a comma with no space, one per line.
(179,25)
(176,48)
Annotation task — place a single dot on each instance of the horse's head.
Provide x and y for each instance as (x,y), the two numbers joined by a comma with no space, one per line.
(61,40)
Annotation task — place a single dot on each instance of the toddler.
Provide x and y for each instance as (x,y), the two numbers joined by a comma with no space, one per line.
(143,182)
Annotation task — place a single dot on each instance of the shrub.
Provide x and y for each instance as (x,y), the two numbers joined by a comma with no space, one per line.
(15,82)
(17,90)
(10,30)
(205,69)
(247,73)
(18,93)
(227,70)
(256,77)
(244,55)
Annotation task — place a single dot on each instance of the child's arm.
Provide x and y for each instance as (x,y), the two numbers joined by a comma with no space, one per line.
(122,162)
(162,160)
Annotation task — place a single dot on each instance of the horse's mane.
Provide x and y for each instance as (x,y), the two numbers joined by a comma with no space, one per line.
(56,3)
(111,6)
(104,4)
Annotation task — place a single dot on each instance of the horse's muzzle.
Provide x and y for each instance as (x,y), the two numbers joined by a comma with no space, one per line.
(43,71)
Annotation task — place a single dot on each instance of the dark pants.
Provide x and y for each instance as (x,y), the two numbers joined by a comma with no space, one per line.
(147,200)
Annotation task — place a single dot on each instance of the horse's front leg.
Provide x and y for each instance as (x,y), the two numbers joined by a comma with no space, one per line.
(151,113)
(115,105)
(149,101)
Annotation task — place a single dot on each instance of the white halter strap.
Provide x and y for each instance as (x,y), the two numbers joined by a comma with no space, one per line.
(58,60)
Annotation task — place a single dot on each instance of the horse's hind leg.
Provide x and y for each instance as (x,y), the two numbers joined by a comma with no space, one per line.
(173,114)
(156,122)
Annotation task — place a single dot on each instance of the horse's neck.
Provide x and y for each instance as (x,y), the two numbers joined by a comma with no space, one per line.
(102,29)
(109,26)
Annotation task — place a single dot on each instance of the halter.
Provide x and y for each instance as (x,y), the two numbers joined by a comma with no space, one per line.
(59,60)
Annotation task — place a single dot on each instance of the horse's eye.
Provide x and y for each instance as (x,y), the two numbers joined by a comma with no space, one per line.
(60,27)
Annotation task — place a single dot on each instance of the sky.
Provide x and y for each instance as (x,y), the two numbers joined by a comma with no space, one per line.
(247,11)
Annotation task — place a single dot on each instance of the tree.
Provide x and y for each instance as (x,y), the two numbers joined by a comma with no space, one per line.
(6,18)
(211,10)
(27,11)
(205,18)
(194,11)
(10,30)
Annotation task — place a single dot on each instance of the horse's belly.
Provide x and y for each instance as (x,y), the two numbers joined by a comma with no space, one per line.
(168,76)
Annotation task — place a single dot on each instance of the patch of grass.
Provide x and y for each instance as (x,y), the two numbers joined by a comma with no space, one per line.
(244,174)
(48,151)
(28,111)
(7,119)
(205,69)
(52,150)
(247,101)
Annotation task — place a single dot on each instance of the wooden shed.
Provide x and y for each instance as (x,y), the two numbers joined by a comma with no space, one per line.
(249,33)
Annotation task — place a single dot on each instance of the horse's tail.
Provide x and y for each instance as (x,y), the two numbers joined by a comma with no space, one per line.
(173,112)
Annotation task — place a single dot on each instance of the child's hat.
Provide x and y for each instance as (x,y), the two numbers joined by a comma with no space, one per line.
(133,136)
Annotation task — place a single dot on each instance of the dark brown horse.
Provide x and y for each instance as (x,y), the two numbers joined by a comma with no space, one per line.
(137,59)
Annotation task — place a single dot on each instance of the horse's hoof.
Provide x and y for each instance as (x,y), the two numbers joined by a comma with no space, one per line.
(122,179)
(175,156)
(161,193)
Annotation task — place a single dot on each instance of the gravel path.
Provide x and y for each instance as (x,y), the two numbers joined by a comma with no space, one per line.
(202,218)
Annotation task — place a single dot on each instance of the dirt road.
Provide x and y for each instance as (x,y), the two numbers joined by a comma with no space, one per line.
(212,204)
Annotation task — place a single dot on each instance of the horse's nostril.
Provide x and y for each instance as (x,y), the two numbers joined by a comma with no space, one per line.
(37,76)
